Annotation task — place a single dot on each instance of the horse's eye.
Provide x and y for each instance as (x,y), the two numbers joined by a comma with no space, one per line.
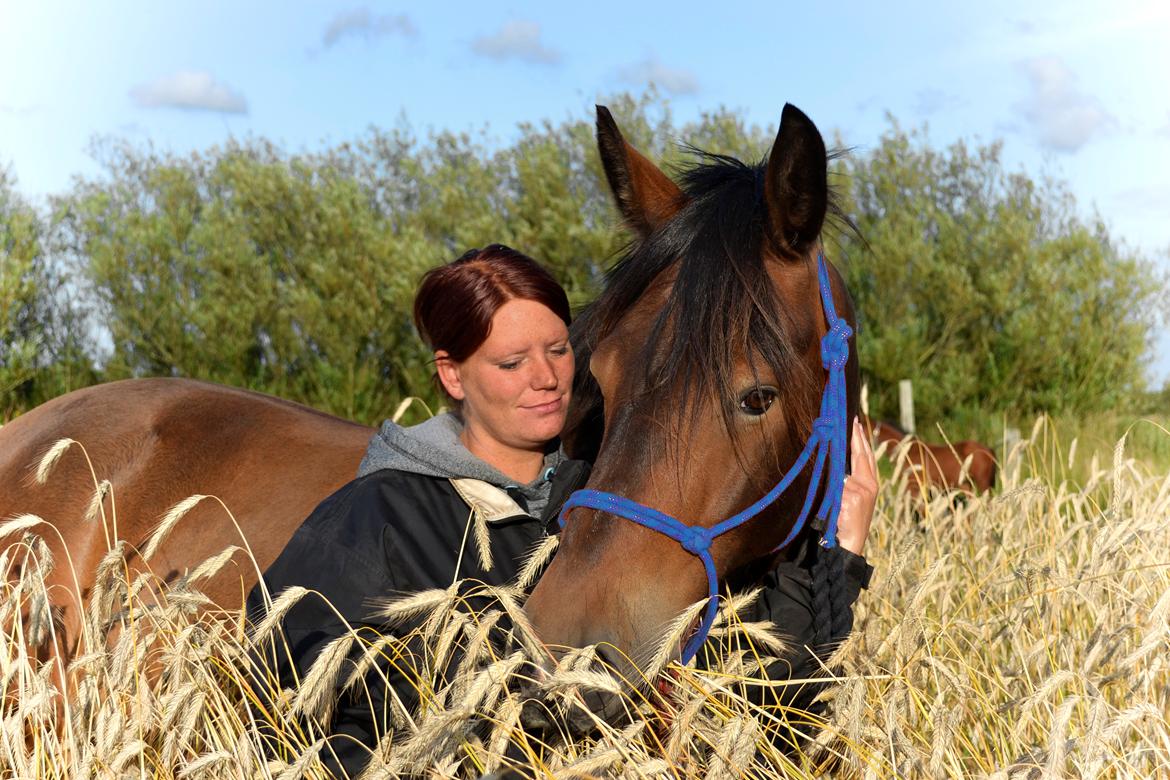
(758,400)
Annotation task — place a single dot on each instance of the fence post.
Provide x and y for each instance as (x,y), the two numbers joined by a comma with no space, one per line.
(1009,465)
(906,405)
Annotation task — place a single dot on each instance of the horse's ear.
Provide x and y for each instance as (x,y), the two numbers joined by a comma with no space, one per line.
(645,196)
(796,184)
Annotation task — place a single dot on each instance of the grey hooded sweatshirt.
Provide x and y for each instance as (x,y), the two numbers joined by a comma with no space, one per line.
(434,449)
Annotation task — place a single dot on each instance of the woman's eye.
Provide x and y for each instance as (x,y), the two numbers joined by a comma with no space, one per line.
(758,400)
(511,365)
(560,351)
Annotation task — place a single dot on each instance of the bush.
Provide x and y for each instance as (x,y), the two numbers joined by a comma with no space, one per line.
(987,289)
(41,352)
(293,273)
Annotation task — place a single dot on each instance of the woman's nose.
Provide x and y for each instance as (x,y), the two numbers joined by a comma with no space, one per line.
(544,376)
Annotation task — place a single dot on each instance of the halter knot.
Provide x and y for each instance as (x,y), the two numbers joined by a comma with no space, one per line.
(695,540)
(835,345)
(823,428)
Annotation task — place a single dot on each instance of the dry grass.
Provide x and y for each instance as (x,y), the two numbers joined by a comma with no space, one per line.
(1023,634)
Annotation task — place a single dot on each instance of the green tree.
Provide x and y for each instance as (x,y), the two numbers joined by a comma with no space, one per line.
(20,293)
(245,267)
(41,352)
(986,288)
(294,273)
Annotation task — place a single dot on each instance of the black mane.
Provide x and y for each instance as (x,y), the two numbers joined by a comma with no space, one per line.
(723,303)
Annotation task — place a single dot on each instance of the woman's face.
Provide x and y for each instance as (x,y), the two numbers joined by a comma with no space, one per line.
(516,387)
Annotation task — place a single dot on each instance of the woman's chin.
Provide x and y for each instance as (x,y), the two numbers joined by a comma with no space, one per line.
(545,430)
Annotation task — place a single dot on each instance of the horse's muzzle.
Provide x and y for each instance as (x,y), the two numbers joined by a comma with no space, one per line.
(576,713)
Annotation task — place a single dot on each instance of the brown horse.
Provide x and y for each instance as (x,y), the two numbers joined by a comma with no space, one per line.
(703,358)
(938,465)
(157,442)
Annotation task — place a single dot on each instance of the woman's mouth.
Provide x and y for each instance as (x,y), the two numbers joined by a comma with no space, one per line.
(546,408)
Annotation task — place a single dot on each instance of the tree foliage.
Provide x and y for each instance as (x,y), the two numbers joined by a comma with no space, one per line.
(987,289)
(41,351)
(294,273)
(250,268)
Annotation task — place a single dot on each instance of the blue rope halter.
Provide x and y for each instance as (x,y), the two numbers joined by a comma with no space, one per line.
(828,441)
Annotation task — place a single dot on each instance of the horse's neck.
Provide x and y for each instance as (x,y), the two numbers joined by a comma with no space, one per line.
(585,424)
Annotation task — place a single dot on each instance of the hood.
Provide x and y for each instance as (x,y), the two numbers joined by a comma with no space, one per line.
(433,449)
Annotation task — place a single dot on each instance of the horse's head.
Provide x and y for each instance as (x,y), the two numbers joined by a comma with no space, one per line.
(703,358)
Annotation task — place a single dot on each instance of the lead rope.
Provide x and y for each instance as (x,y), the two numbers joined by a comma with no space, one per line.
(828,442)
(831,604)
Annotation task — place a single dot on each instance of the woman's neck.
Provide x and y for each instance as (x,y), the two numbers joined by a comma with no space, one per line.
(521,465)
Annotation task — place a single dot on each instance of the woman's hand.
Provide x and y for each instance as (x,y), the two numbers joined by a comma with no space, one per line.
(859,494)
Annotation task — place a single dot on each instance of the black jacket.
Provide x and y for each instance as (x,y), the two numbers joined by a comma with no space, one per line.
(391,533)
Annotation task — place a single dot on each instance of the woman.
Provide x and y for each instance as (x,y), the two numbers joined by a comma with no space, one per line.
(498,325)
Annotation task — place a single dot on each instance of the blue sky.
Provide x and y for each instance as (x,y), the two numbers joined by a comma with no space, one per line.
(1076,89)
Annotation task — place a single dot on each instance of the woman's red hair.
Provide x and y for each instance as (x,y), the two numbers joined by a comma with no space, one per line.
(455,303)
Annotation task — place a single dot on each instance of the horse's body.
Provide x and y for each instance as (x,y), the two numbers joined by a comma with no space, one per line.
(939,465)
(159,441)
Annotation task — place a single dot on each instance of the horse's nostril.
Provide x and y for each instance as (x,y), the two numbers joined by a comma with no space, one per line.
(535,716)
(506,774)
(553,714)
(530,675)
(526,684)
(611,659)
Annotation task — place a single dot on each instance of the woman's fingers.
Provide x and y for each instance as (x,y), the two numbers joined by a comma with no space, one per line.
(864,463)
(859,495)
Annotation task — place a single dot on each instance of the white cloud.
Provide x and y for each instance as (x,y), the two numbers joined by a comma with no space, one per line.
(516,41)
(1164,130)
(195,90)
(1026,27)
(677,81)
(360,22)
(931,101)
(1062,117)
(20,111)
(1151,199)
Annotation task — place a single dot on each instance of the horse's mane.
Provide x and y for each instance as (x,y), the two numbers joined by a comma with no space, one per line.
(722,304)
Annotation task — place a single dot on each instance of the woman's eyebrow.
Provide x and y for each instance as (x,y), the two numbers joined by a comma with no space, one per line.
(506,354)
(516,350)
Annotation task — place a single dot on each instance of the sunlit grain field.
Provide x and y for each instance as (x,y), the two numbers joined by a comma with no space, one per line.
(1019,634)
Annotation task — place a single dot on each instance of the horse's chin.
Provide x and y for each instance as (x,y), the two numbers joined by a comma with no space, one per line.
(590,708)
(579,719)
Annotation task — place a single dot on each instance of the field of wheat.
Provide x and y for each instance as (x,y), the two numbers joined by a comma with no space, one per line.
(1018,634)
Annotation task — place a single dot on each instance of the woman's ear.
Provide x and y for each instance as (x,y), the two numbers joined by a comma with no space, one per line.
(448,371)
